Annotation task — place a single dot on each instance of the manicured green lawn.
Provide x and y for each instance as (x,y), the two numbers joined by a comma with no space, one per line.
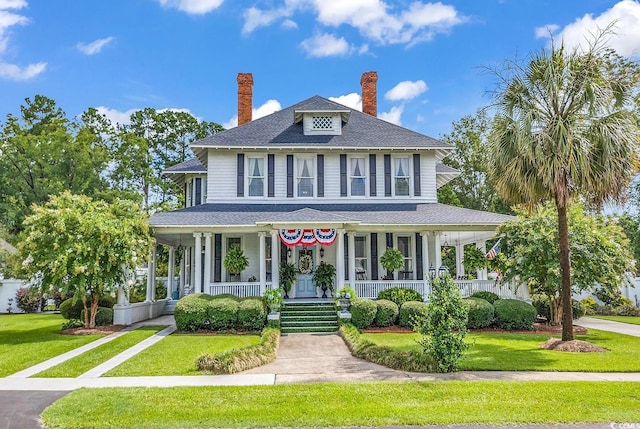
(634,320)
(83,363)
(521,352)
(28,339)
(177,353)
(348,404)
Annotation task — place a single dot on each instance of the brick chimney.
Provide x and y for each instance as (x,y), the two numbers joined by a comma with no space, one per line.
(245,98)
(369,93)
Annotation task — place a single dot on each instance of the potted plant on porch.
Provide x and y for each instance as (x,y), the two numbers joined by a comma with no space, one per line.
(324,276)
(391,260)
(235,262)
(288,275)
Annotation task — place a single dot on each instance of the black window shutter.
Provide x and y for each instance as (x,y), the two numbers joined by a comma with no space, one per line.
(217,264)
(416,175)
(185,195)
(419,267)
(373,183)
(271,175)
(198,194)
(387,175)
(289,176)
(320,166)
(283,252)
(389,239)
(346,258)
(240,184)
(374,256)
(343,175)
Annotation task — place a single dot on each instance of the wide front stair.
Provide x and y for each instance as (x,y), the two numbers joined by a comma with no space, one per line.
(308,317)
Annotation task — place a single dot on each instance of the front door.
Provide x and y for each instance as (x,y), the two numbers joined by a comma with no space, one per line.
(305,287)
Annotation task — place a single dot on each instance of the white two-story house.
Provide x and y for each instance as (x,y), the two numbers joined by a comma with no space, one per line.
(316,181)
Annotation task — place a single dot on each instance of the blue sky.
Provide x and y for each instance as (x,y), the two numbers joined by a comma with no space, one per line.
(123,55)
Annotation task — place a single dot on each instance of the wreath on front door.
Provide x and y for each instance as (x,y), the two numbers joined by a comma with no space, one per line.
(305,264)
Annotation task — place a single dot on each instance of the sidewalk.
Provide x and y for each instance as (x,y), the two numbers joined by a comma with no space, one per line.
(608,325)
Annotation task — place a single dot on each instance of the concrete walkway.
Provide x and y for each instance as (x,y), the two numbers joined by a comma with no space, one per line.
(608,325)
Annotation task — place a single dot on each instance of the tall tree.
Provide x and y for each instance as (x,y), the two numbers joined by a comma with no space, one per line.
(564,129)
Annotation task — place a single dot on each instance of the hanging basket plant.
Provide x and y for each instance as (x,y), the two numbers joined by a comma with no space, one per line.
(235,261)
(392,260)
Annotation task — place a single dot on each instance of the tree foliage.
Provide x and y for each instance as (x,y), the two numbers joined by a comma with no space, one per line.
(83,246)
(565,128)
(600,253)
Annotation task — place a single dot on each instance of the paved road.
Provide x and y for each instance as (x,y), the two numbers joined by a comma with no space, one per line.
(608,325)
(21,410)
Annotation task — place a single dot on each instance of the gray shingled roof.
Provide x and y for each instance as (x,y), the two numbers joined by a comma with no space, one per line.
(192,165)
(372,214)
(445,169)
(279,130)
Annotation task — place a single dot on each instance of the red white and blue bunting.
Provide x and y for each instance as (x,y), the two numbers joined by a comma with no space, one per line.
(307,237)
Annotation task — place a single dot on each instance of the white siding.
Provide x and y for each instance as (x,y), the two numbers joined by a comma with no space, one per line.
(222,176)
(280,178)
(331,175)
(428,177)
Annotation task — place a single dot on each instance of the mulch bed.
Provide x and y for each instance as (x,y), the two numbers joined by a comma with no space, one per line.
(538,328)
(98,330)
(575,346)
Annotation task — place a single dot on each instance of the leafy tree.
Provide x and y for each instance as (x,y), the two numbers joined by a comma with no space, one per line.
(83,246)
(600,253)
(564,128)
(631,227)
(474,187)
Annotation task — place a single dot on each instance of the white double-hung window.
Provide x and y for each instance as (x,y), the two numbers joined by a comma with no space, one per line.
(306,177)
(401,176)
(255,177)
(358,177)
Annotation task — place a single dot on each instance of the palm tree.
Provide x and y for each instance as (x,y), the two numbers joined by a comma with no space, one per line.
(564,129)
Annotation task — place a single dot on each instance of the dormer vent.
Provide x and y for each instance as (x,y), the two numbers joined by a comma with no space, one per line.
(320,123)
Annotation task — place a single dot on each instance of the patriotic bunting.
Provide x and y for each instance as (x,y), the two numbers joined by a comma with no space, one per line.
(307,237)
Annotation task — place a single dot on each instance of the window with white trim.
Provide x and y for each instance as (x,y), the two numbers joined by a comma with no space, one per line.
(362,263)
(231,243)
(404,246)
(358,176)
(306,177)
(255,177)
(401,177)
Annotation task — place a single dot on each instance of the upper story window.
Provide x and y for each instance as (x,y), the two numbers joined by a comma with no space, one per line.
(255,177)
(401,176)
(306,177)
(358,177)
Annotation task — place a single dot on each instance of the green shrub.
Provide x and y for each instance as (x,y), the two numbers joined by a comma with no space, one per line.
(28,299)
(481,313)
(622,310)
(590,305)
(71,308)
(412,313)
(346,290)
(72,323)
(104,316)
(541,304)
(227,296)
(512,314)
(106,301)
(400,295)
(386,313)
(252,315)
(191,312)
(487,296)
(222,314)
(363,312)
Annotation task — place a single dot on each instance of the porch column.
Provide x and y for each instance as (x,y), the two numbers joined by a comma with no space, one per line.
(425,254)
(183,271)
(459,256)
(207,260)
(263,261)
(352,257)
(171,271)
(275,258)
(438,251)
(340,260)
(482,273)
(151,274)
(197,259)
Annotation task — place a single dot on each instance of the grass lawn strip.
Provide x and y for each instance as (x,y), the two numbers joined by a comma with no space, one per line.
(83,363)
(521,352)
(348,404)
(29,339)
(177,354)
(633,320)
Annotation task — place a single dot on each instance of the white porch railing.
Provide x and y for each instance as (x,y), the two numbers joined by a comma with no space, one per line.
(239,289)
(371,288)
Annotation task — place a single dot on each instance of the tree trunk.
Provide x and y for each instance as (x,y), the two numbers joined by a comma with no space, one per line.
(94,310)
(565,272)
(555,310)
(86,311)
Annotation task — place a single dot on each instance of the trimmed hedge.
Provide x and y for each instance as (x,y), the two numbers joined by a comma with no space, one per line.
(363,312)
(104,316)
(481,313)
(487,296)
(512,314)
(412,312)
(222,314)
(219,313)
(252,315)
(400,295)
(227,295)
(191,311)
(386,313)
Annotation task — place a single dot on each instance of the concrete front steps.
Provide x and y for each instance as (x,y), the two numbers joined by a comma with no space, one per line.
(312,316)
(171,305)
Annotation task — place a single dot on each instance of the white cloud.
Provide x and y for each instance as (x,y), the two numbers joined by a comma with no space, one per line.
(269,107)
(116,116)
(353,100)
(546,30)
(363,49)
(394,115)
(14,72)
(192,7)
(95,46)
(12,4)
(406,90)
(9,19)
(289,24)
(325,45)
(374,19)
(625,13)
